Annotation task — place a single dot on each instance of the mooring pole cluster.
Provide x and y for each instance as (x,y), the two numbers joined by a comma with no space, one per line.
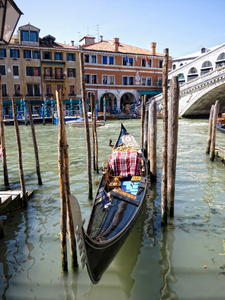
(148,139)
(211,141)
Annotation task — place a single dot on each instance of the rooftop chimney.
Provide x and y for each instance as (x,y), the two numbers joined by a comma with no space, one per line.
(116,44)
(72,43)
(101,38)
(153,45)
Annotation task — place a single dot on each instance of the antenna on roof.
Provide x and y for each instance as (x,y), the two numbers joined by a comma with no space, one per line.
(97,29)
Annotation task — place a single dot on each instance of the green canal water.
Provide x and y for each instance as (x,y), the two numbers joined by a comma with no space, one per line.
(153,263)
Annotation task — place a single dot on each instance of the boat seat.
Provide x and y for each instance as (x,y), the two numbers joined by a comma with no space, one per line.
(125,196)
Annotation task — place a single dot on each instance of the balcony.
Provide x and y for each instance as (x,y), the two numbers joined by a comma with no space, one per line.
(54,78)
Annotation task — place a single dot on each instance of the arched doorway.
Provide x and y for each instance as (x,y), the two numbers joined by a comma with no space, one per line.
(110,103)
(126,101)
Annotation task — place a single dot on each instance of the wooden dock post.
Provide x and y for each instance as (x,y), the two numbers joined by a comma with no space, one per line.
(210,130)
(214,128)
(93,121)
(86,125)
(35,144)
(165,138)
(1,229)
(22,181)
(152,140)
(2,141)
(65,191)
(143,105)
(146,134)
(173,114)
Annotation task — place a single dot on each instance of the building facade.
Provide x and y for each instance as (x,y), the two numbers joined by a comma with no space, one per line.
(33,68)
(120,73)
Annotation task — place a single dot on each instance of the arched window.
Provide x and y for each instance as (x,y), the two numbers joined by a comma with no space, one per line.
(206,64)
(174,67)
(192,74)
(206,67)
(193,70)
(220,60)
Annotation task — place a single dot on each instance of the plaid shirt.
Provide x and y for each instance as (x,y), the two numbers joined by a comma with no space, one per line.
(125,163)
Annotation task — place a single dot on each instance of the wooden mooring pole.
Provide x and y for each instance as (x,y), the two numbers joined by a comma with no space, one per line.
(1,229)
(214,128)
(93,120)
(86,125)
(152,140)
(143,105)
(65,191)
(210,130)
(22,181)
(165,138)
(173,112)
(4,163)
(35,144)
(146,133)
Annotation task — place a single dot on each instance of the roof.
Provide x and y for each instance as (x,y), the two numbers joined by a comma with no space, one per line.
(108,46)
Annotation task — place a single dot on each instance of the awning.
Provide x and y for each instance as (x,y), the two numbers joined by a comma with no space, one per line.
(151,93)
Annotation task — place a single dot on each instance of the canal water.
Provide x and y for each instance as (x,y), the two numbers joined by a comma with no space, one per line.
(184,261)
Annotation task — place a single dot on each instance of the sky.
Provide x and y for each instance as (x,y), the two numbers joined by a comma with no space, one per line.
(184,27)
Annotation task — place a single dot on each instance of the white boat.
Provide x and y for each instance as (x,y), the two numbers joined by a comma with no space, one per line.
(80,122)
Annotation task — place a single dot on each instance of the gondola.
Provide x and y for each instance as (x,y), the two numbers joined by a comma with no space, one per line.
(117,204)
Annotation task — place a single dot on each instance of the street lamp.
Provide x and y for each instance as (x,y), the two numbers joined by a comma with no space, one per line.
(9,17)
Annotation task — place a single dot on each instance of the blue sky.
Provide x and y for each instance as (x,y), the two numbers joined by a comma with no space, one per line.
(182,26)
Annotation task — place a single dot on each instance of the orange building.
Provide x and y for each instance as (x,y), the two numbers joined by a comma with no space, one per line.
(120,73)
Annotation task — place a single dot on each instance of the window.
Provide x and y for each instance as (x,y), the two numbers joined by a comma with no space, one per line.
(149,63)
(87,78)
(111,79)
(58,56)
(60,87)
(17,90)
(58,73)
(48,89)
(33,90)
(47,55)
(111,60)
(131,80)
(124,80)
(15,70)
(93,79)
(25,36)
(27,54)
(143,80)
(86,58)
(2,70)
(14,53)
(33,36)
(37,90)
(2,53)
(104,79)
(36,54)
(104,60)
(94,59)
(71,90)
(160,81)
(4,90)
(71,56)
(125,60)
(206,67)
(33,71)
(143,62)
(71,72)
(131,61)
(160,64)
(149,81)
(48,72)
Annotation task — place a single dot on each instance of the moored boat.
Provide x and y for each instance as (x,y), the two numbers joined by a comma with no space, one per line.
(221,123)
(108,116)
(117,204)
(80,122)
